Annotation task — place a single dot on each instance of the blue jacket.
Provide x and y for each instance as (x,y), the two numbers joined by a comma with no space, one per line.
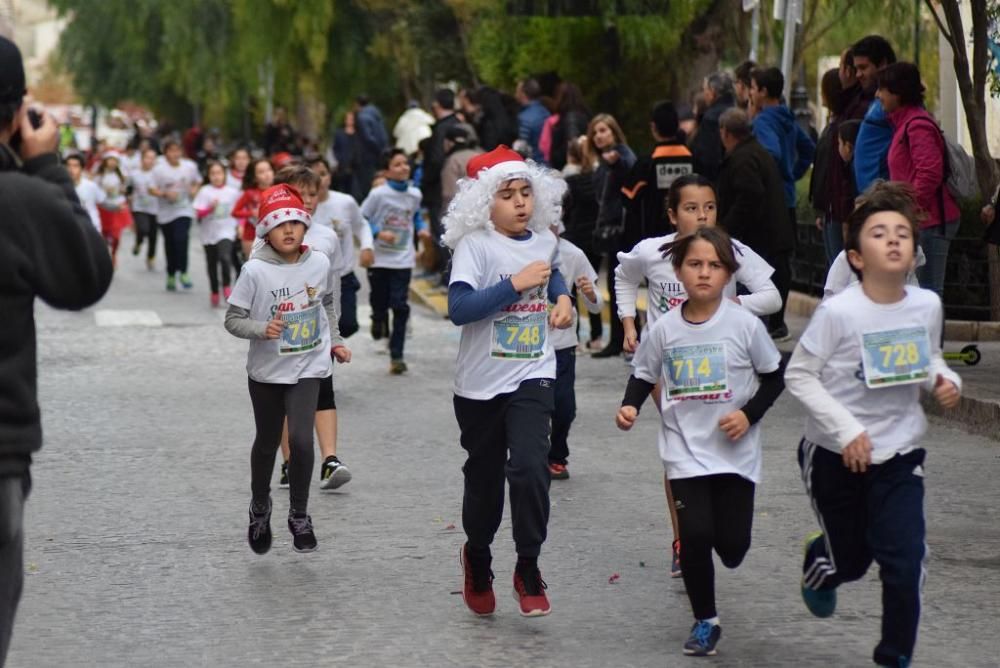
(529,127)
(793,150)
(872,147)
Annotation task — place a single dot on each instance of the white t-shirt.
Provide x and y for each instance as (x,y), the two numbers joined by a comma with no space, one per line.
(341,212)
(142,201)
(219,225)
(234,181)
(296,292)
(114,190)
(572,265)
(180,180)
(392,210)
(874,356)
(496,354)
(841,276)
(90,195)
(646,261)
(707,371)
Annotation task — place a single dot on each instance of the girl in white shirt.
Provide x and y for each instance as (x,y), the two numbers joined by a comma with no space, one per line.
(113,209)
(217,228)
(691,205)
(144,206)
(719,372)
(858,370)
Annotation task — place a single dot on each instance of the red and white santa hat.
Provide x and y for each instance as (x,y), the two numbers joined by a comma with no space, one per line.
(501,163)
(280,204)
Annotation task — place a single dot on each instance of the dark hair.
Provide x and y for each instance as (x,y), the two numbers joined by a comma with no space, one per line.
(318,160)
(250,176)
(770,78)
(389,154)
(570,98)
(170,142)
(298,176)
(445,97)
(8,112)
(736,122)
(117,170)
(903,79)
(848,130)
(362,100)
(831,89)
(76,157)
(664,119)
(876,49)
(847,57)
(743,70)
(208,170)
(237,150)
(530,88)
(881,196)
(682,182)
(678,249)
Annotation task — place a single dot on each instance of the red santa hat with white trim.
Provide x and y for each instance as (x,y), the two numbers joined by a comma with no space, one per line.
(501,162)
(280,204)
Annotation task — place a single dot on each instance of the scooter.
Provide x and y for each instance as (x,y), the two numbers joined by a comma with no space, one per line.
(969,354)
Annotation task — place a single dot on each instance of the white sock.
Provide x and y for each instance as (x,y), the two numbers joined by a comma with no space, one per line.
(714,621)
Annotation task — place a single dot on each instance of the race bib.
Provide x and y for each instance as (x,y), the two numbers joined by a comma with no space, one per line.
(519,337)
(401,228)
(697,369)
(301,332)
(896,357)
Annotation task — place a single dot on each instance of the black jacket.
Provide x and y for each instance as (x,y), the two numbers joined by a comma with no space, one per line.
(570,126)
(751,196)
(430,184)
(706,147)
(580,211)
(646,189)
(50,249)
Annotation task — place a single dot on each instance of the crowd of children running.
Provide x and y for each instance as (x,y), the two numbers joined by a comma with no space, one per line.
(522,231)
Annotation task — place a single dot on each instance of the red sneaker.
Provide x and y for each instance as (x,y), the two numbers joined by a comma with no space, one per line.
(214,299)
(227,292)
(558,471)
(477,591)
(529,592)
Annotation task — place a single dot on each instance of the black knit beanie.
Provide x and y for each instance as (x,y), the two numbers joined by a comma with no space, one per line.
(11,72)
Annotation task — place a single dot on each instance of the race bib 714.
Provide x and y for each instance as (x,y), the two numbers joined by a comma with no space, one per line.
(696,369)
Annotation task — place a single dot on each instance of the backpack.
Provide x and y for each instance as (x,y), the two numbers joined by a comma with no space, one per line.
(959,166)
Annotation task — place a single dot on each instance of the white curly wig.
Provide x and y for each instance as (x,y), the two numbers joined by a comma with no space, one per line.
(470,208)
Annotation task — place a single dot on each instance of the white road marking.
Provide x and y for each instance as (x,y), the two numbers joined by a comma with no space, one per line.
(137,318)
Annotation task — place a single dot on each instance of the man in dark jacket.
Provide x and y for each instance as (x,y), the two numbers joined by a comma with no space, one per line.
(370,143)
(705,147)
(645,191)
(49,249)
(443,109)
(752,209)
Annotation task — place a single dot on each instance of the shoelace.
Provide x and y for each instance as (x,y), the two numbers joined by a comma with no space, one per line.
(702,632)
(482,581)
(533,582)
(301,524)
(259,523)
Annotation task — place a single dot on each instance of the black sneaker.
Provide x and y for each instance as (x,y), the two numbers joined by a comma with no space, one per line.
(259,533)
(380,329)
(333,474)
(703,639)
(779,334)
(283,480)
(301,526)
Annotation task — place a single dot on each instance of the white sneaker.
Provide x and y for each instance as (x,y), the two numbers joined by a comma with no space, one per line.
(333,474)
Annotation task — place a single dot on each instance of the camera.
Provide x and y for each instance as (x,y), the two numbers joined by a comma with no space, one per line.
(35,118)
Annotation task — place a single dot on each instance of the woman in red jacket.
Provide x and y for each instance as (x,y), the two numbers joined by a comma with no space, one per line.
(258,177)
(917,156)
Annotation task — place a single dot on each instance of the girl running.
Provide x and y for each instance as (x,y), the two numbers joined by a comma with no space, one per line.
(113,209)
(144,206)
(239,160)
(175,182)
(719,372)
(691,205)
(217,228)
(258,177)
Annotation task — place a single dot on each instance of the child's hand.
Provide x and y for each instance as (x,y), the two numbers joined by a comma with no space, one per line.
(584,285)
(341,353)
(858,453)
(561,316)
(626,417)
(387,236)
(631,341)
(946,392)
(173,196)
(367,258)
(532,276)
(424,234)
(274,328)
(735,425)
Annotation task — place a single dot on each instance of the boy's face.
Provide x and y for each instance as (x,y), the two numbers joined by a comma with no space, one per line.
(287,237)
(74,168)
(173,154)
(399,168)
(310,196)
(148,159)
(513,205)
(887,247)
(324,175)
(846,150)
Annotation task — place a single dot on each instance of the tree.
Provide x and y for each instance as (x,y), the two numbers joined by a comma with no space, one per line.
(972,80)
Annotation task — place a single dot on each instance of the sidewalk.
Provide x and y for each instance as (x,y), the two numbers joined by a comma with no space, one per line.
(978,412)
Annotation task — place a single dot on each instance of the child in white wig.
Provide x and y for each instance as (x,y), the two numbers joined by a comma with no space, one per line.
(504,274)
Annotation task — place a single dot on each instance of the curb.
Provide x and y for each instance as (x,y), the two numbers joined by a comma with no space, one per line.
(423,292)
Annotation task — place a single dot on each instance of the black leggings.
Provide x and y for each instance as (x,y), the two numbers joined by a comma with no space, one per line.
(272,402)
(714,512)
(146,229)
(219,256)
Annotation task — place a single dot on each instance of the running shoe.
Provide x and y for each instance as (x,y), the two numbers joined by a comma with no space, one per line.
(214,299)
(136,249)
(259,532)
(171,283)
(227,292)
(380,329)
(477,592)
(283,480)
(529,592)
(558,471)
(186,281)
(397,367)
(675,559)
(779,334)
(150,264)
(703,639)
(301,526)
(821,602)
(333,474)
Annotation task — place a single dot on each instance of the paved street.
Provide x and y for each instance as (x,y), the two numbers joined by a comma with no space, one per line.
(136,552)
